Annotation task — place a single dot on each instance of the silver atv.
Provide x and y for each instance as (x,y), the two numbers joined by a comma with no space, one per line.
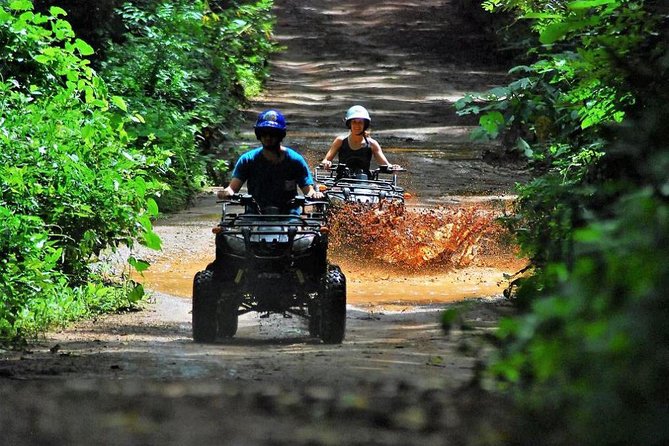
(341,183)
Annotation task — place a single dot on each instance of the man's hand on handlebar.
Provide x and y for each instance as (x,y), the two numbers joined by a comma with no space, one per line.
(315,195)
(326,164)
(225,193)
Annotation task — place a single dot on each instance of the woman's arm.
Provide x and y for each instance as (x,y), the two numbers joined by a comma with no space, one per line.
(379,156)
(378,153)
(334,149)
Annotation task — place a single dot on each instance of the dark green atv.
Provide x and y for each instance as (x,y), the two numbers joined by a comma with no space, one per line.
(270,263)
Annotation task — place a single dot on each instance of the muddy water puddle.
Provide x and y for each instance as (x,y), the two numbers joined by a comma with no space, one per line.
(393,258)
(365,286)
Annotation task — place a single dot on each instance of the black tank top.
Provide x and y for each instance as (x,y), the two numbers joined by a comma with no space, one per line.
(358,159)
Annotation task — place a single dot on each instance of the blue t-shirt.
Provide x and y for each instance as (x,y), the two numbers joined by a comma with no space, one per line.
(273,184)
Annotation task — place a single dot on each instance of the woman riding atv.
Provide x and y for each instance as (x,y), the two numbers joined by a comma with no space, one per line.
(355,150)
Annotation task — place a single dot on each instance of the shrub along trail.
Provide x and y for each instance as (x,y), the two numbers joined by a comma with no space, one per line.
(137,378)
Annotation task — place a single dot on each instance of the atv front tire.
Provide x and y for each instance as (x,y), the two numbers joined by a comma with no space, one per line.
(227,314)
(314,319)
(205,299)
(332,300)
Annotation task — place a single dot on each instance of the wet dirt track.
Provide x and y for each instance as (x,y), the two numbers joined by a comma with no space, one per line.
(189,247)
(137,378)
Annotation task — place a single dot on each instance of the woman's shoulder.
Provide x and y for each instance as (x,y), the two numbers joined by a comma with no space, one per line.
(338,141)
(371,140)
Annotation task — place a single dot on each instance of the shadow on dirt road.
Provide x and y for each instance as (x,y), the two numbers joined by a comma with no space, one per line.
(407,62)
(137,378)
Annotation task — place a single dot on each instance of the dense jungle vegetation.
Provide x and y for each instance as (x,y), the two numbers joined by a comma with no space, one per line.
(107,114)
(588,361)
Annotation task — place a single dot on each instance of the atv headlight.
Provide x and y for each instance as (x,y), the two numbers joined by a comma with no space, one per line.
(302,243)
(235,244)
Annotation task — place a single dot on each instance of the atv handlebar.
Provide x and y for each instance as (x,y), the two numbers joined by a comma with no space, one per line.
(388,168)
(385,168)
(240,199)
(247,200)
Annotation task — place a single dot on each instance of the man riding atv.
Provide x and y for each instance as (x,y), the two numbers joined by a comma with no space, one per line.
(273,171)
(271,257)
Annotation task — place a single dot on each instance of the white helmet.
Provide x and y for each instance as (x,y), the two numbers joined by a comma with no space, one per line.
(357,112)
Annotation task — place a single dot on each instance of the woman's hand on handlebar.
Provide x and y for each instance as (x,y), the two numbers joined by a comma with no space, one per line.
(326,164)
(391,168)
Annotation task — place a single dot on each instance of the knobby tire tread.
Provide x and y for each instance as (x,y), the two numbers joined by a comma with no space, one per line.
(204,307)
(333,306)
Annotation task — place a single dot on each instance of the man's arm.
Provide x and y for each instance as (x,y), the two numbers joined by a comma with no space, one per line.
(234,187)
(310,192)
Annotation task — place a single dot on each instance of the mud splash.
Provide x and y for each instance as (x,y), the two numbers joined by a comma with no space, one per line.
(415,239)
(393,257)
(396,256)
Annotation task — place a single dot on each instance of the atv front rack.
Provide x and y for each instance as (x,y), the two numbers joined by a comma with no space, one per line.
(349,188)
(317,208)
(337,172)
(271,237)
(352,188)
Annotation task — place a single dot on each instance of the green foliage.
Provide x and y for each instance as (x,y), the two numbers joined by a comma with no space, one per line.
(587,362)
(70,183)
(448,319)
(186,70)
(573,84)
(84,162)
(555,110)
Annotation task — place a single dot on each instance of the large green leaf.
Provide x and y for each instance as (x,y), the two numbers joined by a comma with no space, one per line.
(21,5)
(152,240)
(554,32)
(139,265)
(492,122)
(56,11)
(84,48)
(586,4)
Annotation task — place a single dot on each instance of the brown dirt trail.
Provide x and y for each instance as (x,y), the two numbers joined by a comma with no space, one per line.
(138,379)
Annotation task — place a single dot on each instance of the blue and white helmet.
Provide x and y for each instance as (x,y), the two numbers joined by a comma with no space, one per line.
(357,112)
